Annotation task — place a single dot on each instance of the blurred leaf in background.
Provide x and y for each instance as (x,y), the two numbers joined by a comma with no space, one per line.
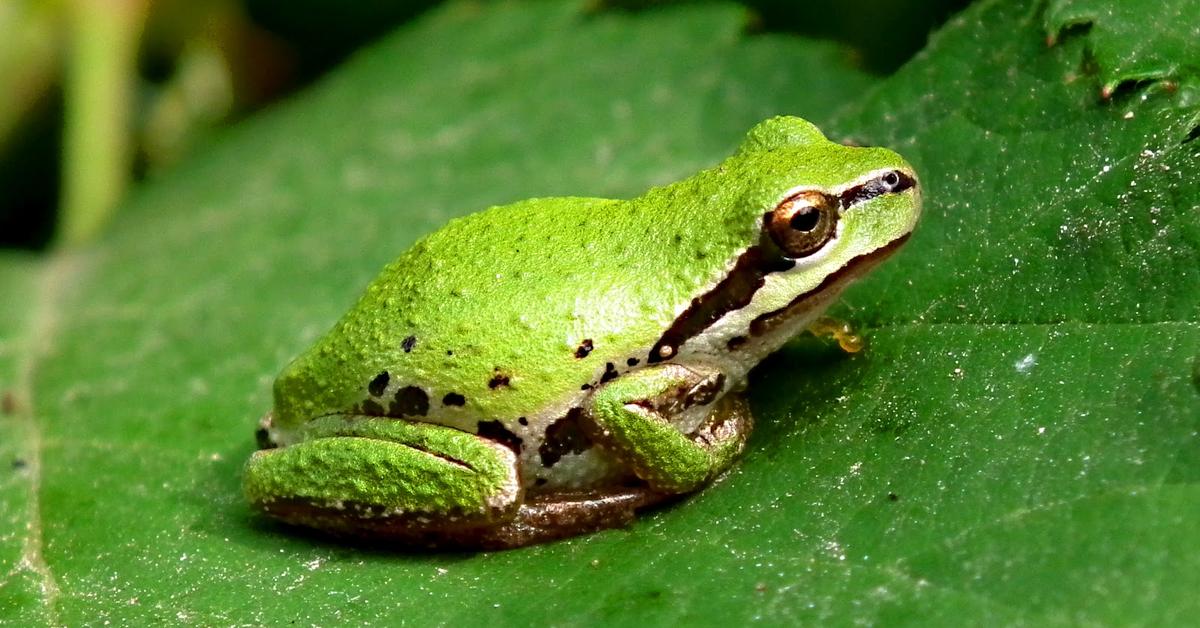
(197,65)
(30,43)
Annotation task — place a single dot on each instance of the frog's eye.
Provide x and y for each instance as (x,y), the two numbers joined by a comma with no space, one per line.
(802,223)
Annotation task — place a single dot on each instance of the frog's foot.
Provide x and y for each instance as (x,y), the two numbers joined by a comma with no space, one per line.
(644,419)
(416,484)
(552,516)
(352,475)
(842,331)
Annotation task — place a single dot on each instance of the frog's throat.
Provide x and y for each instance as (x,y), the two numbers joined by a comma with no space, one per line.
(737,291)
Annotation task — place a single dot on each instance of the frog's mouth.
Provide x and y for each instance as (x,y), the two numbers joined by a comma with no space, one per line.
(827,290)
(739,288)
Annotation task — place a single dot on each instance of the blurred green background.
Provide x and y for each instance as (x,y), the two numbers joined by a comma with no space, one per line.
(100,95)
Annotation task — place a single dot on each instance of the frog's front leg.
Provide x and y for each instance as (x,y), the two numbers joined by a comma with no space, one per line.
(371,476)
(673,425)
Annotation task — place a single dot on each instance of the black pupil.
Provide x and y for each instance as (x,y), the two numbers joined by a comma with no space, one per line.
(891,179)
(806,219)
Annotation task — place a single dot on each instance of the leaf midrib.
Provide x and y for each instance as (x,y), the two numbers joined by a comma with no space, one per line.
(57,274)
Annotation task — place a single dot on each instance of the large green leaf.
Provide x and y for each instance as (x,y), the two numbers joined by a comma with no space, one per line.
(1135,41)
(25,574)
(1018,443)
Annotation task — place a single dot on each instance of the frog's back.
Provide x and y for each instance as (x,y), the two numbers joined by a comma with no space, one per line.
(512,310)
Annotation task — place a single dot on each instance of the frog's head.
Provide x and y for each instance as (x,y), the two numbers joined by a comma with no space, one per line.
(825,202)
(821,214)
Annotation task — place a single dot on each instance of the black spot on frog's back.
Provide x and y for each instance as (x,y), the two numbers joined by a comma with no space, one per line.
(453,399)
(610,373)
(379,384)
(564,436)
(499,379)
(410,401)
(495,430)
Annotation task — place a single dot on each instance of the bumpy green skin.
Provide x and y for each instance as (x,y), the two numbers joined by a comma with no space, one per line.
(514,313)
(514,290)
(351,462)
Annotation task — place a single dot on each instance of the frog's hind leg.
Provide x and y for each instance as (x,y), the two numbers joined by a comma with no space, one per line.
(390,481)
(386,479)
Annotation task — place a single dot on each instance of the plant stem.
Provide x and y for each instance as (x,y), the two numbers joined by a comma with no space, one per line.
(28,59)
(98,90)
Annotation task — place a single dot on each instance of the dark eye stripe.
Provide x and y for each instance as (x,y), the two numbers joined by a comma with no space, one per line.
(750,271)
(876,187)
(734,292)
